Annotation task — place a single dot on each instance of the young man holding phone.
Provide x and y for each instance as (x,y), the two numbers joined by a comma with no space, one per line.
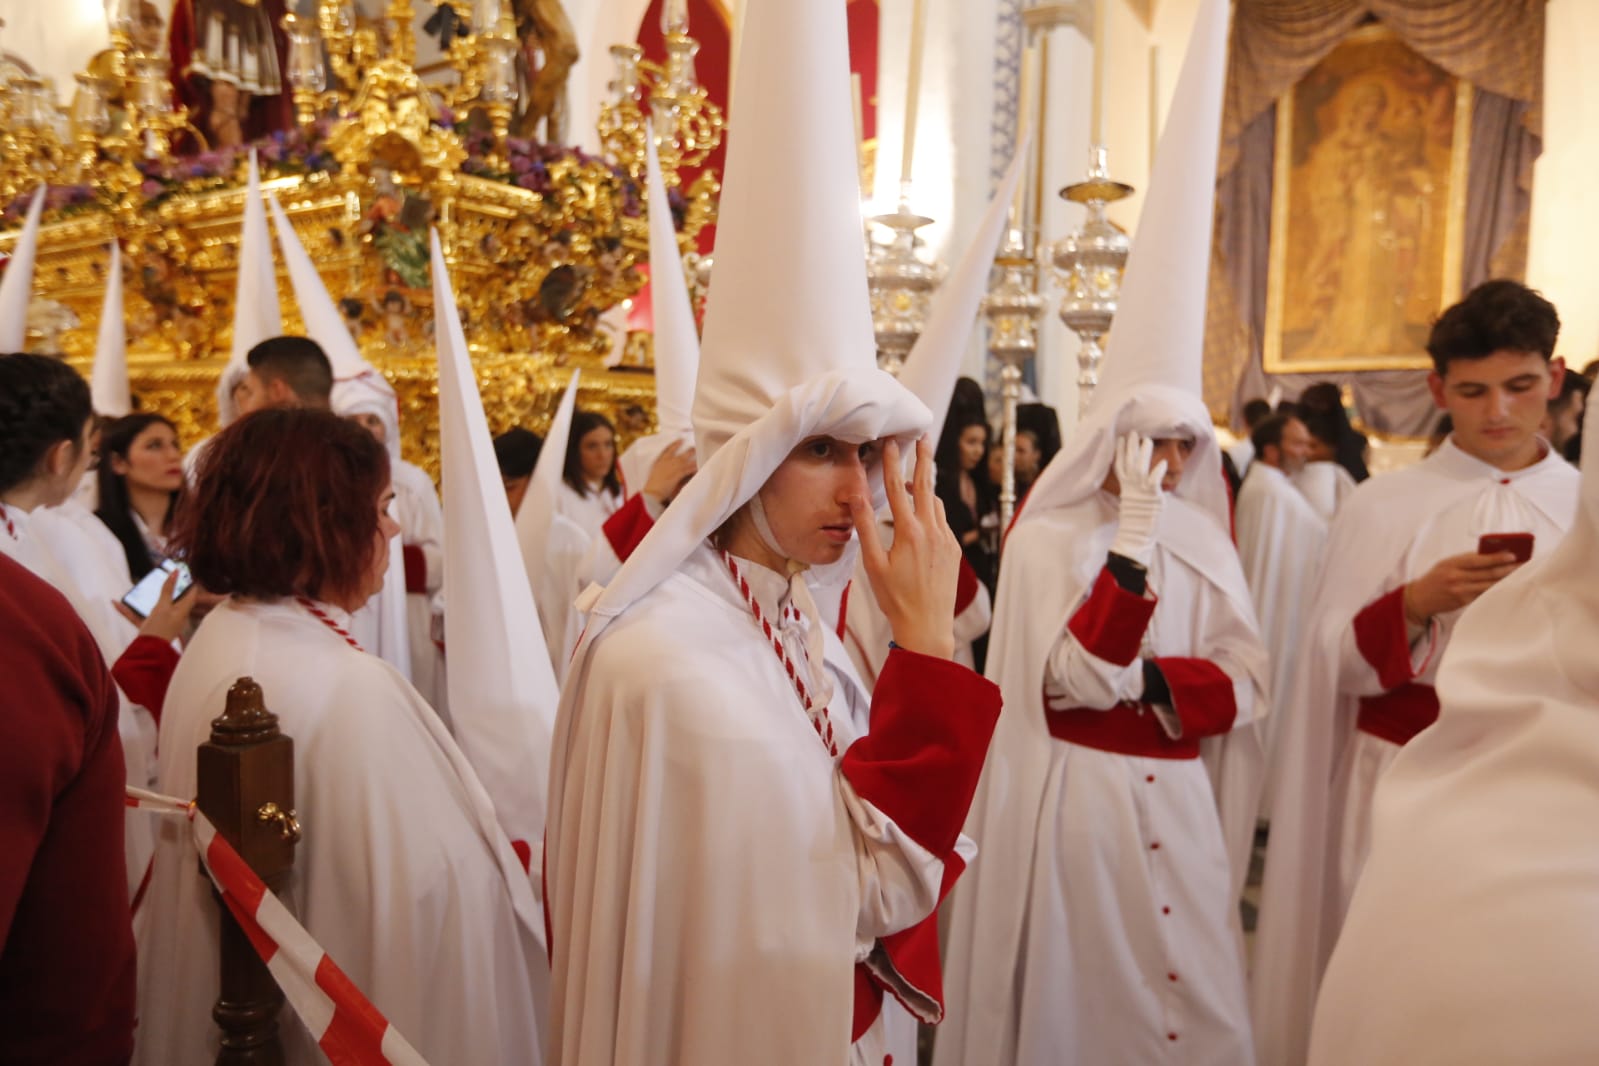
(1406,554)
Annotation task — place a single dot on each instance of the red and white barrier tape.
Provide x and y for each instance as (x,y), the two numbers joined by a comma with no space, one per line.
(346,1025)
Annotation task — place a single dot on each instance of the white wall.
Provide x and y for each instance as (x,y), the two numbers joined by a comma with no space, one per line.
(1565,213)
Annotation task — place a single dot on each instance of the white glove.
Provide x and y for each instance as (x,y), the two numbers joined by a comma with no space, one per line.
(1141,498)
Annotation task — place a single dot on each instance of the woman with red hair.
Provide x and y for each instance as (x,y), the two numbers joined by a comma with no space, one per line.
(404,876)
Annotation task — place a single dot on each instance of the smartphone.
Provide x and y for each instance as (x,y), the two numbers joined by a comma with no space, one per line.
(141,598)
(1518,544)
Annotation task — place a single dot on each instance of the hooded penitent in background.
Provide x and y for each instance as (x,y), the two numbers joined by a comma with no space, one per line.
(677,359)
(930,372)
(686,735)
(16,287)
(108,383)
(394,621)
(502,688)
(553,546)
(1470,939)
(1102,921)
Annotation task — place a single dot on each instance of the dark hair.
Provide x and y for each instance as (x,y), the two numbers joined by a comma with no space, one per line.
(1268,432)
(298,362)
(115,508)
(517,452)
(968,396)
(1495,316)
(1255,411)
(284,504)
(956,421)
(584,423)
(1043,423)
(1573,389)
(43,402)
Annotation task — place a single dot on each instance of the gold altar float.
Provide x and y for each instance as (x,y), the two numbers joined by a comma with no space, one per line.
(542,241)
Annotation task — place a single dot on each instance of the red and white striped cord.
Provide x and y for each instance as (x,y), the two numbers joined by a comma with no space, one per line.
(326,619)
(818,715)
(11,529)
(346,1025)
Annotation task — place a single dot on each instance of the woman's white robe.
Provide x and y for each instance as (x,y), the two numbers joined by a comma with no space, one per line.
(403,874)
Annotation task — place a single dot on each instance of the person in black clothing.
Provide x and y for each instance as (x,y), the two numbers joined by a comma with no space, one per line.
(1321,407)
(971,502)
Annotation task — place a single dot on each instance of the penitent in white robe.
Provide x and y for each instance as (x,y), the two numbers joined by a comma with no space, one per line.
(714,874)
(1472,939)
(1390,532)
(416,508)
(1281,541)
(588,510)
(1326,485)
(1101,927)
(403,874)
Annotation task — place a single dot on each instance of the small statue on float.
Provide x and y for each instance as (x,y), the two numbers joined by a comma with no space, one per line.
(549,51)
(228,58)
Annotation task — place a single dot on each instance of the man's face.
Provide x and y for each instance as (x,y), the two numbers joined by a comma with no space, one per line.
(373,424)
(1565,421)
(515,490)
(1027,456)
(1175,452)
(1295,448)
(806,499)
(1497,404)
(249,395)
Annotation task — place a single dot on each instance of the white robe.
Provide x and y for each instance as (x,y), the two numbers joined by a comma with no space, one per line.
(381,625)
(1066,940)
(1391,531)
(1326,485)
(1471,939)
(1281,541)
(71,549)
(403,875)
(416,508)
(713,875)
(589,510)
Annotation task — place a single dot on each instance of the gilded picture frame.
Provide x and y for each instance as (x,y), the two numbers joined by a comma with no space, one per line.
(1368,209)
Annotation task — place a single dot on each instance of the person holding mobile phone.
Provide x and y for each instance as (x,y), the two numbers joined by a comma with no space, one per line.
(1407,553)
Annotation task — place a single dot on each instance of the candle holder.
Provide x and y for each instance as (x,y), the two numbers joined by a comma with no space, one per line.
(307,75)
(1013,309)
(901,284)
(1089,265)
(688,124)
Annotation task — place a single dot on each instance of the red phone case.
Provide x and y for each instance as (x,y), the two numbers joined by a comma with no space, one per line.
(1519,544)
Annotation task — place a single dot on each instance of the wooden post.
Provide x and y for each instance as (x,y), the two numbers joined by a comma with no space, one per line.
(246,788)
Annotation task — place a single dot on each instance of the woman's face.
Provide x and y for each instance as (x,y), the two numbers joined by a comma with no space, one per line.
(597,453)
(378,569)
(373,424)
(806,499)
(1027,456)
(154,460)
(974,442)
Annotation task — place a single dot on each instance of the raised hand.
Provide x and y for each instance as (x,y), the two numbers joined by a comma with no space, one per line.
(1454,583)
(169,618)
(914,580)
(670,470)
(1141,497)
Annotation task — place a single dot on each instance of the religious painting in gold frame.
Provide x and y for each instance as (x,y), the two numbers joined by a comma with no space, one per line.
(1368,209)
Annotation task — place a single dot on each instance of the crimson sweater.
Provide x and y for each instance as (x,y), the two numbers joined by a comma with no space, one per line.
(66,939)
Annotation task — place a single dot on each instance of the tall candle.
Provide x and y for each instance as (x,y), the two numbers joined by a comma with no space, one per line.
(1024,90)
(1096,117)
(674,16)
(913,88)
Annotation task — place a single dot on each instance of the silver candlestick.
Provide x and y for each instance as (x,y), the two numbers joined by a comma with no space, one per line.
(901,284)
(1013,310)
(1088,265)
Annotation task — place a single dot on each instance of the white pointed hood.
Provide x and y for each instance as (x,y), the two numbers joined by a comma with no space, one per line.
(502,689)
(677,341)
(256,315)
(788,349)
(358,386)
(16,288)
(538,508)
(934,363)
(108,383)
(1151,381)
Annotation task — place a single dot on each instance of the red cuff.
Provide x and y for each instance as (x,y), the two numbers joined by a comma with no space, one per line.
(965,586)
(627,526)
(868,1002)
(1110,624)
(416,568)
(1201,694)
(931,723)
(144,670)
(914,952)
(843,609)
(1383,640)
